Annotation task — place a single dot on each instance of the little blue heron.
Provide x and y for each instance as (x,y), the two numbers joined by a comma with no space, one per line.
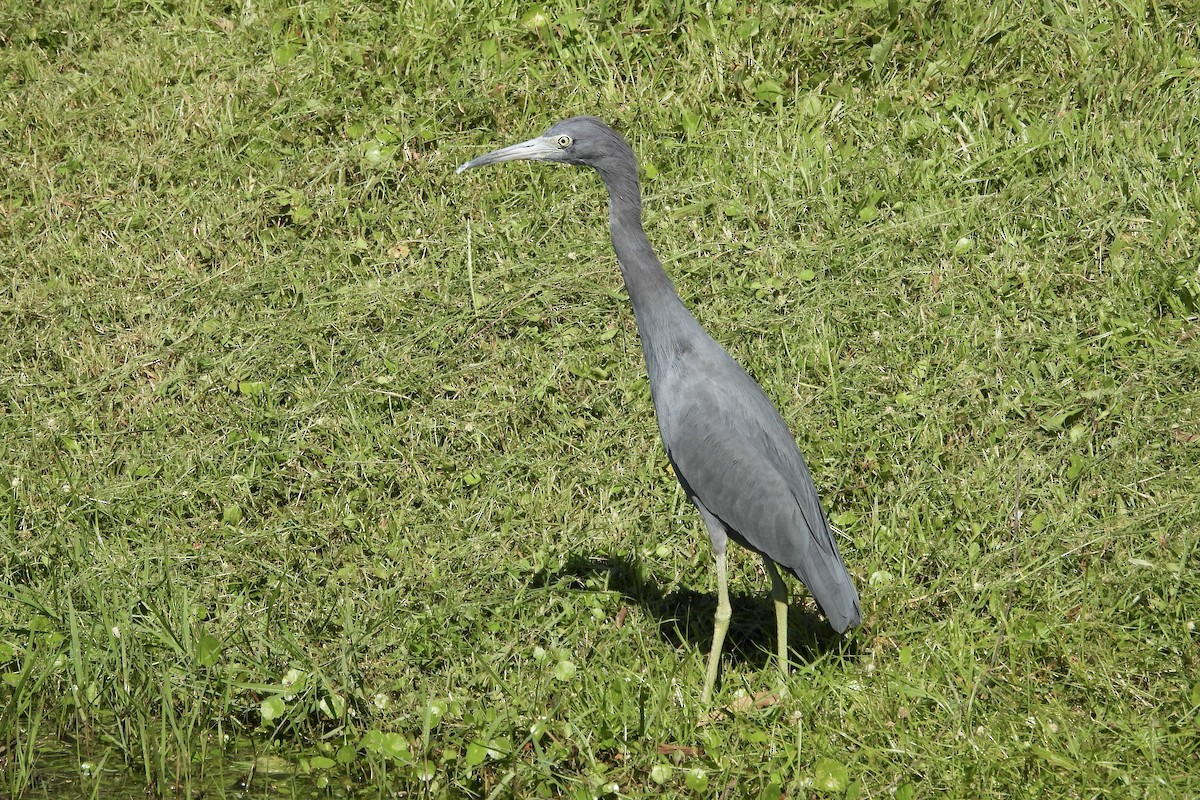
(732,452)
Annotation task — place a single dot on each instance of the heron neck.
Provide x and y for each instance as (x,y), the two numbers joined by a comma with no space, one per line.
(650,289)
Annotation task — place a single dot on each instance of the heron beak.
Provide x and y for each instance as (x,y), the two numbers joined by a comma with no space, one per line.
(539,149)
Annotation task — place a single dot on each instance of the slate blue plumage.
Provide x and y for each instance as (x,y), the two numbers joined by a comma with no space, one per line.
(731,450)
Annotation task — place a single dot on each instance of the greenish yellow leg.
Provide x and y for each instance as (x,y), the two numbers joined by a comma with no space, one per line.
(720,626)
(779,593)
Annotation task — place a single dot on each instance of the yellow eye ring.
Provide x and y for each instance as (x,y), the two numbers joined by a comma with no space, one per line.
(563,141)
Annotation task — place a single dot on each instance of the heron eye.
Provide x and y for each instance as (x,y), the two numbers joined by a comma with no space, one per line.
(563,142)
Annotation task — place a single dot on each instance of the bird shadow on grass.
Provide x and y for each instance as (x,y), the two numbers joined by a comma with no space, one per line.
(685,616)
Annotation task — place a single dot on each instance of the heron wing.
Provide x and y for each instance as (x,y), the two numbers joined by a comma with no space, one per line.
(734,454)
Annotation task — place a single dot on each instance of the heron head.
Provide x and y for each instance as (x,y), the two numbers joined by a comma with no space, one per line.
(583,141)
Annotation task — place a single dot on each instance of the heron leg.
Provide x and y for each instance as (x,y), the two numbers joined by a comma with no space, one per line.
(779,594)
(720,626)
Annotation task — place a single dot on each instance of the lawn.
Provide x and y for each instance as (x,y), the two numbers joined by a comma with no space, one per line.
(326,468)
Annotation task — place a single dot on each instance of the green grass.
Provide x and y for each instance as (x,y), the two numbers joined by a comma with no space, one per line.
(307,442)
